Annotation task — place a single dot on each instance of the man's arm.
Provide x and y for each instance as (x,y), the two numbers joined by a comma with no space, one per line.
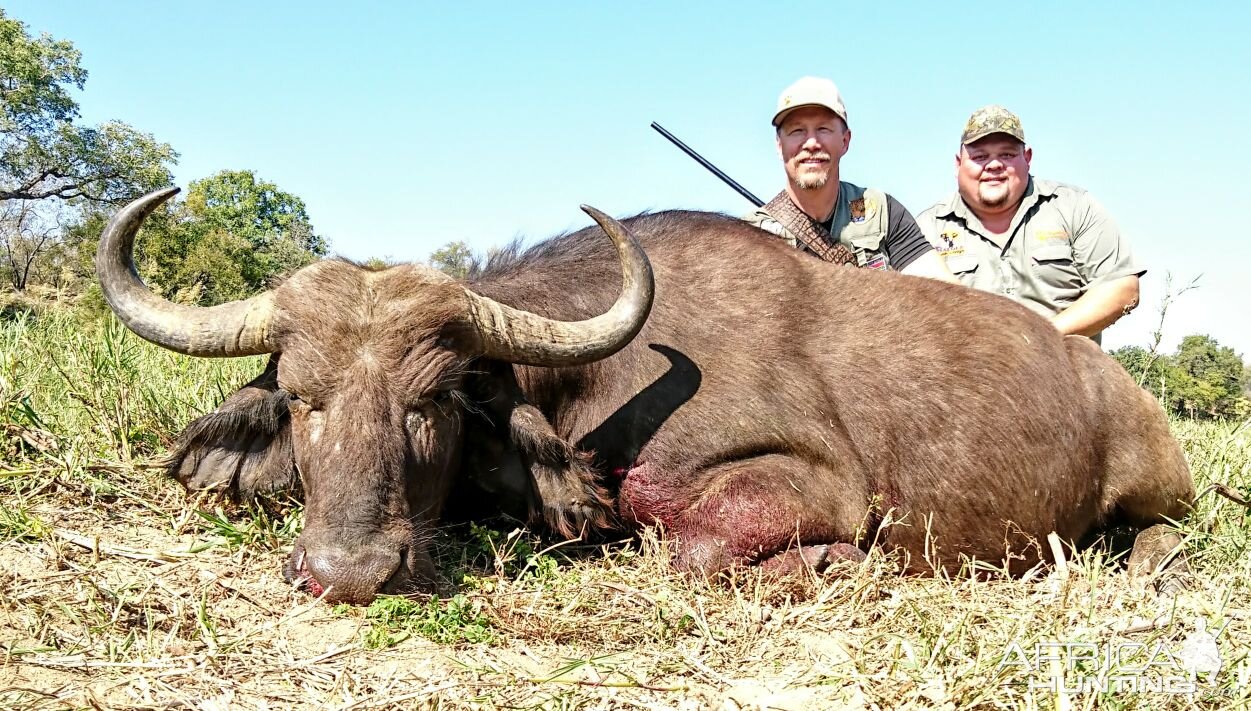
(1103,257)
(909,250)
(1099,307)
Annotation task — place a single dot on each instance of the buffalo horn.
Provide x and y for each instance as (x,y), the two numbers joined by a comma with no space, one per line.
(237,328)
(516,336)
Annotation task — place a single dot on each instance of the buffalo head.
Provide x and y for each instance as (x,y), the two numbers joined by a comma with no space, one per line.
(374,365)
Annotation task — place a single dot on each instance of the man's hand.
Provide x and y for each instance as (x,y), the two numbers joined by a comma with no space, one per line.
(930,265)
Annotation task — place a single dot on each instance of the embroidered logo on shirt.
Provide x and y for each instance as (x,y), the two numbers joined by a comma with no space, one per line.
(857,210)
(1052,236)
(949,243)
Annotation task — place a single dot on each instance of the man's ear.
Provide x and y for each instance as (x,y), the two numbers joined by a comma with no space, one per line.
(244,446)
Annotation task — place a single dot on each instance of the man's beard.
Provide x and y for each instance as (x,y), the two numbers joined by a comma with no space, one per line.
(993,197)
(811,181)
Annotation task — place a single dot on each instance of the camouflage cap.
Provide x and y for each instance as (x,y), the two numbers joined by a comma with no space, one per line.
(992,119)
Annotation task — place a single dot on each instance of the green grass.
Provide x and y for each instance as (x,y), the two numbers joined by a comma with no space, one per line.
(18,524)
(456,620)
(270,526)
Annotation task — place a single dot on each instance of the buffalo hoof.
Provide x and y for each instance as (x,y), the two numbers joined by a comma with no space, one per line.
(815,558)
(709,557)
(573,501)
(1158,557)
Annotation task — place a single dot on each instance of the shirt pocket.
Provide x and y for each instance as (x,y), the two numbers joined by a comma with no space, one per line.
(1053,265)
(1053,253)
(867,244)
(961,264)
(866,240)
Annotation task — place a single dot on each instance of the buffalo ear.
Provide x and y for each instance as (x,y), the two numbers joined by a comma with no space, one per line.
(243,446)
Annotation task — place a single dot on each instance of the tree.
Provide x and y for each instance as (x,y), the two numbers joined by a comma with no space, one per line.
(1202,379)
(43,153)
(54,172)
(25,235)
(233,236)
(235,201)
(453,258)
(1213,376)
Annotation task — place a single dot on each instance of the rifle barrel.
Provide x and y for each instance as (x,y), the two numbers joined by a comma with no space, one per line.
(711,168)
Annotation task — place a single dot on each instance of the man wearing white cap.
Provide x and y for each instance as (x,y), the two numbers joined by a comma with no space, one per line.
(832,219)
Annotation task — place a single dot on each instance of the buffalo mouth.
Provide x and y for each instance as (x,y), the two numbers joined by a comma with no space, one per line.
(357,578)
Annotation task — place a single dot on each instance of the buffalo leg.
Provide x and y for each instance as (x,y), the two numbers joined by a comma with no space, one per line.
(565,489)
(816,558)
(568,488)
(1147,482)
(1145,477)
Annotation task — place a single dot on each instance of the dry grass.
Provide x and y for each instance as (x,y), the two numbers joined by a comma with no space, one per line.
(120,590)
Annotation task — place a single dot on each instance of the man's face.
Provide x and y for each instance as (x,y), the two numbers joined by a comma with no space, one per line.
(992,172)
(811,141)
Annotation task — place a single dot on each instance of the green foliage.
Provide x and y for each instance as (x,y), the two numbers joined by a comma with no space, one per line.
(444,622)
(103,387)
(233,236)
(17,524)
(453,258)
(237,203)
(35,73)
(270,526)
(43,152)
(511,555)
(52,169)
(1202,379)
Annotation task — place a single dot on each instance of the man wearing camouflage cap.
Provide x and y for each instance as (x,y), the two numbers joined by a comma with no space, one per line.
(834,220)
(1048,245)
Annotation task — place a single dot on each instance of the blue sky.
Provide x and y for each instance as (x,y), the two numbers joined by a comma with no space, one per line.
(406,126)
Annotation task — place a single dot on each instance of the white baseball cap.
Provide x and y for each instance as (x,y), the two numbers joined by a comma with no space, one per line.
(810,91)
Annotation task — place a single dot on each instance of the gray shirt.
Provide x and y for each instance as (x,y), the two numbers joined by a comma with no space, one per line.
(1060,243)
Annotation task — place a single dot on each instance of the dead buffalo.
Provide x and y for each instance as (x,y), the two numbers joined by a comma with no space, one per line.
(771,409)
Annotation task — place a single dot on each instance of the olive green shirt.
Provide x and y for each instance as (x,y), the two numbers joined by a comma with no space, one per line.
(1060,243)
(871,224)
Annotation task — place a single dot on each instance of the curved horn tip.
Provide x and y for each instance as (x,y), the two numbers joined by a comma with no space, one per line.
(164,193)
(152,200)
(596,215)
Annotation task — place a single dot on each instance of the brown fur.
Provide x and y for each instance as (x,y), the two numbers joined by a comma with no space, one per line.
(806,400)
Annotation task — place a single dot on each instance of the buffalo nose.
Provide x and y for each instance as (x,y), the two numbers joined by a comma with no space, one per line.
(352,576)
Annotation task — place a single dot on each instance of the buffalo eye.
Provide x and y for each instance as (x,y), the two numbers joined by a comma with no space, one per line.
(298,405)
(415,419)
(436,404)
